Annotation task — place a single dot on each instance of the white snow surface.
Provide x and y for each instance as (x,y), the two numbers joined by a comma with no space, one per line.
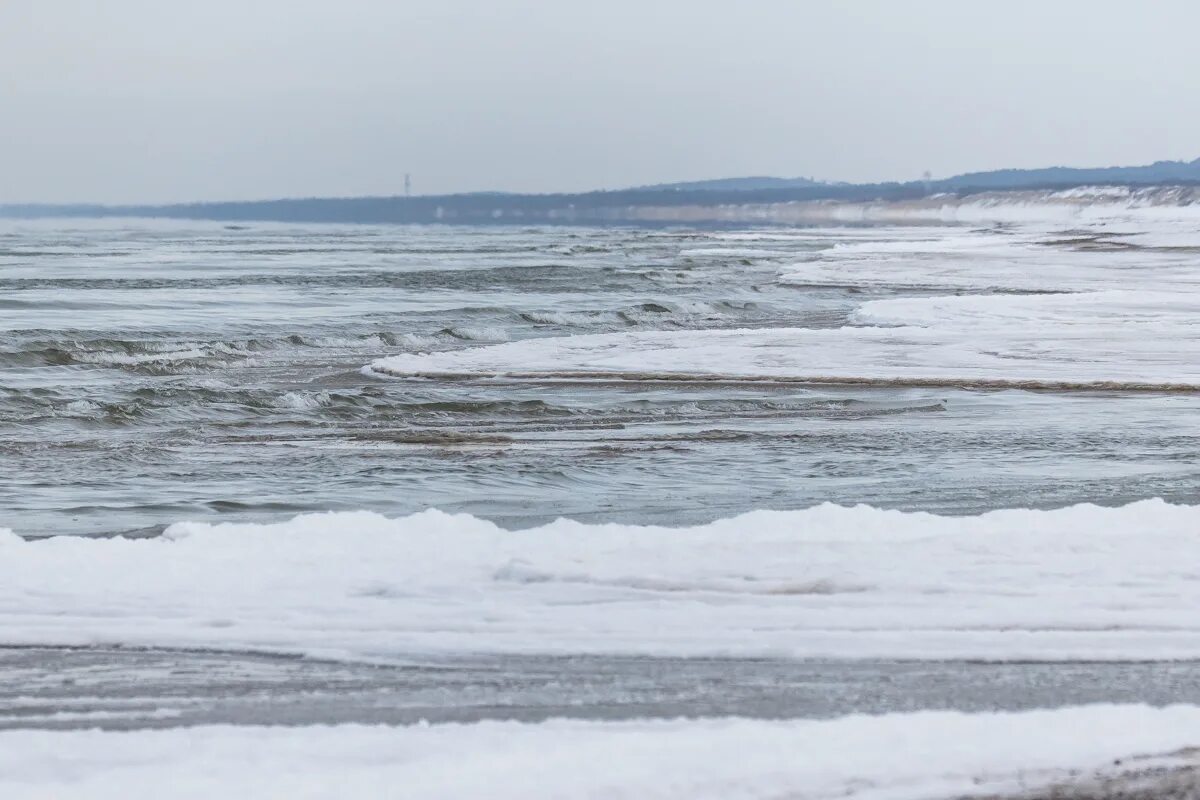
(921,756)
(1083,582)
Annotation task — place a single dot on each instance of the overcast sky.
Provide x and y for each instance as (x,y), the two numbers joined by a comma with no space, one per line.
(166,100)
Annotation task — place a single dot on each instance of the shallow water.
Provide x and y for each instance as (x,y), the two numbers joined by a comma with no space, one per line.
(121,689)
(152,372)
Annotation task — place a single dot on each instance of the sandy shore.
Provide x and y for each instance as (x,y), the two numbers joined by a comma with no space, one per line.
(1138,779)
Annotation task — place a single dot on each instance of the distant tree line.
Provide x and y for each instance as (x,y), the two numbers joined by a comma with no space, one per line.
(612,206)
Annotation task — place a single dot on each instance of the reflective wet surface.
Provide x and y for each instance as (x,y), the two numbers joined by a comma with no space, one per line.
(129,688)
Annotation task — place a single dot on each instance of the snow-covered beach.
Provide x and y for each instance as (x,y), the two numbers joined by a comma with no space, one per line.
(883,511)
(924,756)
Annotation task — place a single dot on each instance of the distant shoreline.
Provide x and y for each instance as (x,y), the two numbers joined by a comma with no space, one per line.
(813,205)
(756,199)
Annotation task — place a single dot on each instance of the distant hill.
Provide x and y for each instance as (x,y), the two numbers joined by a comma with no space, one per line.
(748,184)
(1158,172)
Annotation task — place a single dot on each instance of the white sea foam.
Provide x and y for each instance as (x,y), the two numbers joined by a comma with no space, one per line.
(479,334)
(1076,583)
(1164,239)
(921,756)
(1028,260)
(816,235)
(732,252)
(182,351)
(1123,343)
(1044,307)
(303,401)
(82,407)
(415,341)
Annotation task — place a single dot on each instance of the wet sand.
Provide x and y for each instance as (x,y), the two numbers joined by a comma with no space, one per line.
(122,689)
(1137,779)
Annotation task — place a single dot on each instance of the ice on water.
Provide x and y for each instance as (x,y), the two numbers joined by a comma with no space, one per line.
(1075,294)
(1100,301)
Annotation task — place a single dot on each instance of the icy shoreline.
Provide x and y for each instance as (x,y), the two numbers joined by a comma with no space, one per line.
(1110,305)
(921,756)
(1084,582)
(122,688)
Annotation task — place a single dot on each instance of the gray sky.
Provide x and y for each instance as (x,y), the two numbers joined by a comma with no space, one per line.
(165,100)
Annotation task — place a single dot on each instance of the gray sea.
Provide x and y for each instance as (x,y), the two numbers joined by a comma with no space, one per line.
(152,372)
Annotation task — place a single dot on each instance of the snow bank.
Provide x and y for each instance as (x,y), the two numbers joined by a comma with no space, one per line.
(1076,583)
(919,756)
